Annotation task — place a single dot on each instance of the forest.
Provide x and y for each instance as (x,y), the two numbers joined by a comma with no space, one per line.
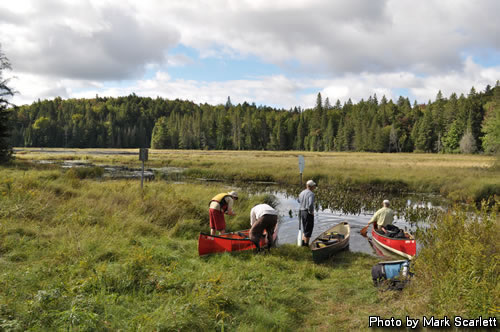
(455,124)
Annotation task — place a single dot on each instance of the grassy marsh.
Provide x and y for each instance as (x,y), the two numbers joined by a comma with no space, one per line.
(90,254)
(463,178)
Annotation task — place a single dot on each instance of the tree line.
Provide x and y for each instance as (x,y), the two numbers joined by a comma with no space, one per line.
(466,123)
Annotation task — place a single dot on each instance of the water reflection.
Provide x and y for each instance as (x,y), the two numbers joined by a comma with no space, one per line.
(412,211)
(324,219)
(119,171)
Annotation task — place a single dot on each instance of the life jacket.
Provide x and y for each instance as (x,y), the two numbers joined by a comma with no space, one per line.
(221,199)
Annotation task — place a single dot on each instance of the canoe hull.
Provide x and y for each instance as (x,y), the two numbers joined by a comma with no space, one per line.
(229,242)
(406,248)
(320,254)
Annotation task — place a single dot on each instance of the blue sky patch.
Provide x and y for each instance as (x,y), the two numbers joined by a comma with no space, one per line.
(219,69)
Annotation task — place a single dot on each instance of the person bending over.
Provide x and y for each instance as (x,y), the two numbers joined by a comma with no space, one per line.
(263,217)
(219,205)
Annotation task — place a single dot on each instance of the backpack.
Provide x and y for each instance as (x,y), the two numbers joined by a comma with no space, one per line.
(392,275)
(395,232)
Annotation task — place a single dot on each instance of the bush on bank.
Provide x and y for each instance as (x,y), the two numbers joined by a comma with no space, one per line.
(457,267)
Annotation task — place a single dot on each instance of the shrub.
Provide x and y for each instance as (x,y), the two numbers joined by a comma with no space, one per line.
(458,264)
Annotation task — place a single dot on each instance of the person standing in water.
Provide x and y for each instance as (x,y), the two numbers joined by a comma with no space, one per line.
(306,211)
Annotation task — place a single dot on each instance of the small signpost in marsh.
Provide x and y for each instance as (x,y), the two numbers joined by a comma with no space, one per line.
(143,156)
(302,164)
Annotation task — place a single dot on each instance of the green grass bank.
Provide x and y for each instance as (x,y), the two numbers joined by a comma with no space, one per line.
(88,254)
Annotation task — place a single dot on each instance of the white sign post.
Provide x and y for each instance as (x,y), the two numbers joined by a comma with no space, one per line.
(302,164)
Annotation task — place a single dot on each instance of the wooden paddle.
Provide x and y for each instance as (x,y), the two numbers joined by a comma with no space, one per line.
(364,230)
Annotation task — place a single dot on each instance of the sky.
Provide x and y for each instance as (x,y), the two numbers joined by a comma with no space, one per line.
(278,53)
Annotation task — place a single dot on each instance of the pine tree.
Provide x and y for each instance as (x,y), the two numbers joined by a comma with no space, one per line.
(228,103)
(491,125)
(299,142)
(5,92)
(319,102)
(327,105)
(425,139)
(438,113)
(160,139)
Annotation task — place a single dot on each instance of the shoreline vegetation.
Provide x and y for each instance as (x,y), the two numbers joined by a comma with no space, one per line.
(79,252)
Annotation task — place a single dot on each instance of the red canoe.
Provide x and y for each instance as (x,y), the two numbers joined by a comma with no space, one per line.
(229,242)
(403,247)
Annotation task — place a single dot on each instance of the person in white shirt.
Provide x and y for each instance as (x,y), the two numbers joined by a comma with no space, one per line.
(262,218)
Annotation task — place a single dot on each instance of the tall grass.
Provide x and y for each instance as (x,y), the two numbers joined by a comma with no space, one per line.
(79,253)
(458,266)
(86,254)
(463,178)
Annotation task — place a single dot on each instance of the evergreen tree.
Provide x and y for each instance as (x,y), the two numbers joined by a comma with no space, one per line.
(491,124)
(425,139)
(319,102)
(160,139)
(5,92)
(329,135)
(299,142)
(327,105)
(228,103)
(438,114)
(338,105)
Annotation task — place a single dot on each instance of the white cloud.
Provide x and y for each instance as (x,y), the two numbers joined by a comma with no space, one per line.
(357,47)
(276,90)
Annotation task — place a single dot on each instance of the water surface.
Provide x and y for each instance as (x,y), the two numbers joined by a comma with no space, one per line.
(324,219)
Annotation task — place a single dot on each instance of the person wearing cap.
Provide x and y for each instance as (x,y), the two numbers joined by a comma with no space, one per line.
(306,211)
(221,204)
(382,217)
(263,217)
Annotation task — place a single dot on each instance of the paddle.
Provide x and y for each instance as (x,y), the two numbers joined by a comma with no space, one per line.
(299,236)
(364,230)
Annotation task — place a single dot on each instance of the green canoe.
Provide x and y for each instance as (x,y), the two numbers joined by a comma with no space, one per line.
(330,241)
